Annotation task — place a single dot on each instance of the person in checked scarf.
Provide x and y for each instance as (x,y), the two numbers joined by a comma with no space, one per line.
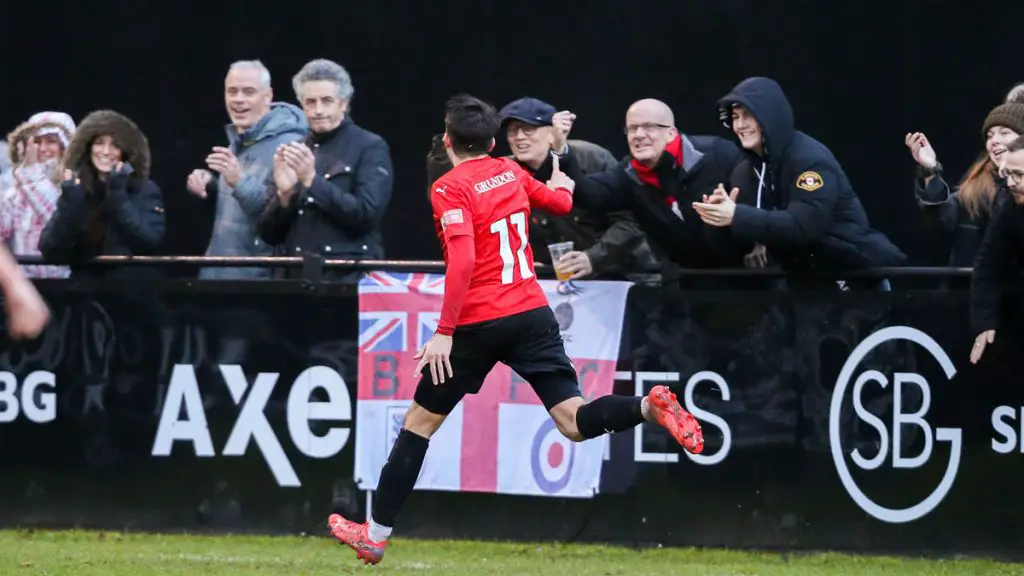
(36,148)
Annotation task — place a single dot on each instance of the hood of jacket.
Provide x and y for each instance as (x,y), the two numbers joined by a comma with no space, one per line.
(127,135)
(283,118)
(18,137)
(769,105)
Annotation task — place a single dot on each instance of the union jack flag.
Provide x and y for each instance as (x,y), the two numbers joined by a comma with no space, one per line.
(405,313)
(492,442)
(401,283)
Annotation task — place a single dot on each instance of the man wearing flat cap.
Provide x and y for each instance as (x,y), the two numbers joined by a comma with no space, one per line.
(604,245)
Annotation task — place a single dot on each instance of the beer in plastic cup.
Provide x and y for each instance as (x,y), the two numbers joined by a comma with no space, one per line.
(558,250)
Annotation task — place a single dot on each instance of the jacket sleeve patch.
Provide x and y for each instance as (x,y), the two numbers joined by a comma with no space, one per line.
(809,181)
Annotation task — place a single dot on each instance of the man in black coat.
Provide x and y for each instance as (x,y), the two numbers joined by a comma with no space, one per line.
(794,198)
(663,175)
(333,188)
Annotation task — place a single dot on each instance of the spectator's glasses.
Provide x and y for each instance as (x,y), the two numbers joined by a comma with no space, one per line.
(1013,177)
(513,129)
(647,127)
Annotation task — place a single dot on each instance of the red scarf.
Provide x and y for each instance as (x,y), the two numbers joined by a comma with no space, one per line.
(649,176)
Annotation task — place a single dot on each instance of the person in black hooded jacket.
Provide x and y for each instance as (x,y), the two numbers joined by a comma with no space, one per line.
(108,205)
(794,198)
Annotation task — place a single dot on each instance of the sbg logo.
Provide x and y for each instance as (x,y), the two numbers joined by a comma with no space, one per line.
(37,401)
(953,436)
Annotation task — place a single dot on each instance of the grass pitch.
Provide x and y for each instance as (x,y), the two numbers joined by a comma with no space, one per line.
(48,553)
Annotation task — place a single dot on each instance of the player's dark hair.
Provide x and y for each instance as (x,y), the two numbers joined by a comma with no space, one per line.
(470,124)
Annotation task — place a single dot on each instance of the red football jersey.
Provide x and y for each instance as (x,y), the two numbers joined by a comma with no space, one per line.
(489,199)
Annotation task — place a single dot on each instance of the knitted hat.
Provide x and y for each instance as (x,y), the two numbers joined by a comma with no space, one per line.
(1009,115)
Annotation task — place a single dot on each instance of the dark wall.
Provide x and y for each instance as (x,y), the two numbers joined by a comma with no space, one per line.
(82,407)
(859,74)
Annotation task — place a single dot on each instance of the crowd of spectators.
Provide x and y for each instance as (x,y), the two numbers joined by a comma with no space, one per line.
(295,179)
(287,179)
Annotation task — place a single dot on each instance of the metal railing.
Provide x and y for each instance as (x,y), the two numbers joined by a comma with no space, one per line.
(313,262)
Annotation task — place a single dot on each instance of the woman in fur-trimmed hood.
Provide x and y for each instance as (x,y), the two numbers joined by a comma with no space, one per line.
(127,138)
(108,204)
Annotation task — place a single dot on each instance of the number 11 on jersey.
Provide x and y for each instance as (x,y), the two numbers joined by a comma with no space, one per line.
(508,258)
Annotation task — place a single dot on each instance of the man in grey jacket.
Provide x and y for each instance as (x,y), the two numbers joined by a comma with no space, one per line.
(246,166)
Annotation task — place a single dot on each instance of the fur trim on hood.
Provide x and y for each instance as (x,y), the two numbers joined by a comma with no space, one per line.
(131,141)
(17,139)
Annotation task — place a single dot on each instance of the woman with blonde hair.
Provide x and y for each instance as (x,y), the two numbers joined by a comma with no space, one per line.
(964,212)
(36,149)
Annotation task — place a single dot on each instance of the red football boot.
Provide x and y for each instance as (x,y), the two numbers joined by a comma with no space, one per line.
(355,537)
(672,417)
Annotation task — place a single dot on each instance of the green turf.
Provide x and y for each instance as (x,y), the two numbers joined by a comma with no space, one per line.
(117,554)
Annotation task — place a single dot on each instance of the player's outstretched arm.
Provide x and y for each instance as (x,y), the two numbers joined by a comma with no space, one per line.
(556,196)
(27,314)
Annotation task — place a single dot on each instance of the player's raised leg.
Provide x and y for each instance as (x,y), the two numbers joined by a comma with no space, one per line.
(615,413)
(578,420)
(540,358)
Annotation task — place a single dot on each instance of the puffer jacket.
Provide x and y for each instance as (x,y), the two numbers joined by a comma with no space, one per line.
(804,209)
(120,214)
(236,223)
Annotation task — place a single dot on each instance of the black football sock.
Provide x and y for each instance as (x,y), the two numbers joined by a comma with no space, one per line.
(398,477)
(609,414)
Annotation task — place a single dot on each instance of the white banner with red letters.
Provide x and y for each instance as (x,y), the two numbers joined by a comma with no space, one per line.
(502,439)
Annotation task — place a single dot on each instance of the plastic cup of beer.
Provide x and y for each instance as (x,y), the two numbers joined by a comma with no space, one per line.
(558,250)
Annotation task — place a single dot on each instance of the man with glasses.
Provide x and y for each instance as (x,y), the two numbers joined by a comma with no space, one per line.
(663,175)
(606,245)
(1012,169)
(999,262)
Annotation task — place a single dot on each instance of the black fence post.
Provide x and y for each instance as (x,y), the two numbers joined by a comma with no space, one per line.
(313,267)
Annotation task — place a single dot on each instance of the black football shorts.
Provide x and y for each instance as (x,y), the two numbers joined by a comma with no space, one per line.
(530,343)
